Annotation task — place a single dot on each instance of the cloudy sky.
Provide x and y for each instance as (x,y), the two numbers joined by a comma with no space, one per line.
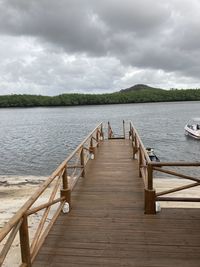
(51,47)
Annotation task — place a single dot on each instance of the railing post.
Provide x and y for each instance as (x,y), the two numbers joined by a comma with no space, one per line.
(133,143)
(130,132)
(150,194)
(24,242)
(83,162)
(124,131)
(97,137)
(65,179)
(140,161)
(150,177)
(109,130)
(66,191)
(91,148)
(101,133)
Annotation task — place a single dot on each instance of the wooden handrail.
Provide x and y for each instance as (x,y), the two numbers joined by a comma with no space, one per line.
(176,164)
(6,229)
(19,221)
(9,242)
(111,134)
(79,147)
(43,206)
(177,174)
(180,188)
(140,143)
(53,219)
(178,199)
(148,176)
(40,190)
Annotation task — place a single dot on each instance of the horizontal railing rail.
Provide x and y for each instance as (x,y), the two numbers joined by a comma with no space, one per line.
(140,153)
(161,168)
(58,187)
(147,168)
(112,135)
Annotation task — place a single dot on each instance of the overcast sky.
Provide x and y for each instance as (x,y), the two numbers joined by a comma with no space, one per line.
(51,47)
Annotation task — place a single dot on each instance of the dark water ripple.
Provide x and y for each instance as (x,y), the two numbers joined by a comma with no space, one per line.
(34,141)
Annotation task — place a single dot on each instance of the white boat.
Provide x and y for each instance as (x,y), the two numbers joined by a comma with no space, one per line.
(193,129)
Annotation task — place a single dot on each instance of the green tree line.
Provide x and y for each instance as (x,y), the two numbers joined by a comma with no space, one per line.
(143,96)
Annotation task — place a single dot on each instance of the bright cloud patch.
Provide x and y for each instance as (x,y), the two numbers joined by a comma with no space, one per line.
(51,47)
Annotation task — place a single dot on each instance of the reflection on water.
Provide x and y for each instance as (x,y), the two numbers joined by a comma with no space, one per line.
(34,141)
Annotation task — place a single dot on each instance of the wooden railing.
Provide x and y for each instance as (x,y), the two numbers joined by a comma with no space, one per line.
(112,135)
(147,169)
(156,166)
(60,183)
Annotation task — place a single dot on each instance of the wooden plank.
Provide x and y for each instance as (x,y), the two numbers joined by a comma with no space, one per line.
(107,225)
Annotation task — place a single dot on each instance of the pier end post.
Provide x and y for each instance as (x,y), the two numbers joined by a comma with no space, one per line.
(149,201)
(149,192)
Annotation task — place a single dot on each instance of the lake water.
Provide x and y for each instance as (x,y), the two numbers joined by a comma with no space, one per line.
(33,141)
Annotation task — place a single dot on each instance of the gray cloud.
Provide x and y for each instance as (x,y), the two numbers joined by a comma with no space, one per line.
(51,47)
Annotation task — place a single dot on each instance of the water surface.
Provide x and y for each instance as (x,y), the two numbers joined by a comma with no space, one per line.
(33,141)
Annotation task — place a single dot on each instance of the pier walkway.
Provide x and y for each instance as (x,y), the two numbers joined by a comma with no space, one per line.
(107,225)
(111,191)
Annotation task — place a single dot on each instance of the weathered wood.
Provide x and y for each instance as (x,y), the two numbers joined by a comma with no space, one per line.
(140,143)
(43,206)
(150,177)
(24,242)
(140,161)
(45,233)
(180,188)
(177,174)
(177,164)
(107,225)
(66,195)
(75,180)
(101,133)
(83,162)
(44,216)
(65,178)
(178,199)
(150,201)
(110,132)
(9,241)
(25,207)
(74,166)
(143,175)
(124,130)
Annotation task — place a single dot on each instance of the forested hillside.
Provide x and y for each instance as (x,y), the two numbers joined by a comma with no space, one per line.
(122,97)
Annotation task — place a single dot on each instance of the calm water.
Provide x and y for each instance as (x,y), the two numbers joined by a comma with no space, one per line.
(34,141)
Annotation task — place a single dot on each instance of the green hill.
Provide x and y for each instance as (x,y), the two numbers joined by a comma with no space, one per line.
(139,87)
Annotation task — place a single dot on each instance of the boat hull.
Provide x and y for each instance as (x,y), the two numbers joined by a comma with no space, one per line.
(191,132)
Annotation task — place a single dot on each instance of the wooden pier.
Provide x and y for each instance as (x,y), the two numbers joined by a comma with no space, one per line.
(112,219)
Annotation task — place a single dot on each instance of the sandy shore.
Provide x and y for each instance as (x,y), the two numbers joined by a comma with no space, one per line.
(169,183)
(14,191)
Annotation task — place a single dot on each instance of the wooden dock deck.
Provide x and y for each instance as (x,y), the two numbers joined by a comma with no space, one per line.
(107,225)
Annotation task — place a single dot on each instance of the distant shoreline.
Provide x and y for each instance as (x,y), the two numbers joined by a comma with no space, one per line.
(122,97)
(85,105)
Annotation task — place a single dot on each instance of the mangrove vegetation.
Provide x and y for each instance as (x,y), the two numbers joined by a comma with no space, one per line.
(142,95)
